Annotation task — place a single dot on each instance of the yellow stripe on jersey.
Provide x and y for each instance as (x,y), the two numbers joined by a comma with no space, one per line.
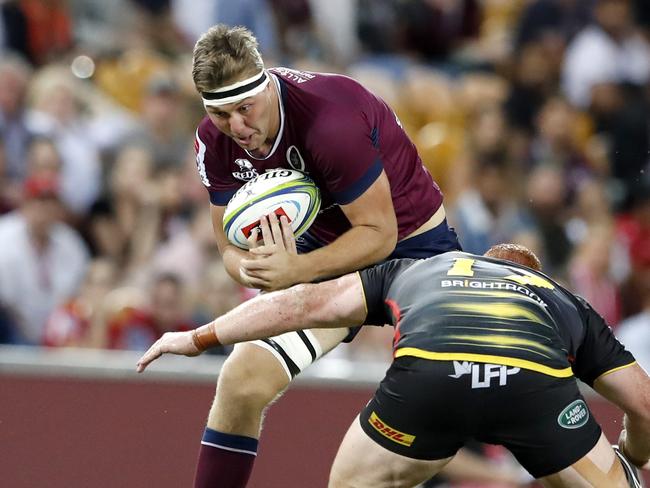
(499,310)
(484,358)
(616,369)
(498,294)
(500,340)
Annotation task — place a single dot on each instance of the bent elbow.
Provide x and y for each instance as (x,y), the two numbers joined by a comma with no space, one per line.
(389,241)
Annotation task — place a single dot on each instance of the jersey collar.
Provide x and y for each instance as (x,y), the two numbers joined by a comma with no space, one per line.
(279,89)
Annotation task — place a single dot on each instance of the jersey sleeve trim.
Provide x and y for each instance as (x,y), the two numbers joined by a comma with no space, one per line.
(357,188)
(613,370)
(221,198)
(484,358)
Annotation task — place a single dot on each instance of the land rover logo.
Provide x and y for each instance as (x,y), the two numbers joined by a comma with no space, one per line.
(574,416)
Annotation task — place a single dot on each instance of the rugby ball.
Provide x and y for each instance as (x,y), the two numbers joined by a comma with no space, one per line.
(282,191)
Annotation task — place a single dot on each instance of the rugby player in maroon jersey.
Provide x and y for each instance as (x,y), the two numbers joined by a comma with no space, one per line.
(378,201)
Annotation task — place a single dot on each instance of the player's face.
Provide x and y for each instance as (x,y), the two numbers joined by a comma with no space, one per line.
(251,123)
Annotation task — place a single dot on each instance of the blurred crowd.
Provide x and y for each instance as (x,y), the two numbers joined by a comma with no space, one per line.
(532,115)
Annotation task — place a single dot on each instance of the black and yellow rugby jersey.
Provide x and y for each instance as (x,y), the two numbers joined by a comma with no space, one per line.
(458,306)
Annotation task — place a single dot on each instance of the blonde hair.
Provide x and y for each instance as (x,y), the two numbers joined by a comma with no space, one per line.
(224,54)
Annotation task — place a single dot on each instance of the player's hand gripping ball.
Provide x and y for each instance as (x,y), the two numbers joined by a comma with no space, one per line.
(282,191)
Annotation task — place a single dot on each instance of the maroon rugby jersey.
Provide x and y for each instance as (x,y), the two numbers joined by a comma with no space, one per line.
(342,136)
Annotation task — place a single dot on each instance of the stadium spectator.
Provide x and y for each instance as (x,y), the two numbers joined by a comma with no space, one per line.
(546,197)
(40,30)
(43,260)
(554,144)
(553,22)
(437,29)
(378,200)
(633,227)
(15,75)
(80,321)
(403,436)
(10,193)
(590,272)
(128,210)
(488,212)
(161,129)
(56,100)
(164,310)
(635,330)
(608,52)
(533,81)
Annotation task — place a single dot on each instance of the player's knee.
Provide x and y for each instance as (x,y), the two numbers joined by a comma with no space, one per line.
(251,376)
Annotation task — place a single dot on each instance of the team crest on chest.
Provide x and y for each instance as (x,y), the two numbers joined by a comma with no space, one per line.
(295,159)
(246,171)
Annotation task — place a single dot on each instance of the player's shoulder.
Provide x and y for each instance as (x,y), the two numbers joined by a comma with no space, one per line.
(206,131)
(304,79)
(323,91)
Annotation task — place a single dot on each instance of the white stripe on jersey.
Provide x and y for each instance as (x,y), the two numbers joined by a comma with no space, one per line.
(200,159)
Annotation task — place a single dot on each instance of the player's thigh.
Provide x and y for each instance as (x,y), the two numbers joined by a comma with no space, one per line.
(361,462)
(599,468)
(255,373)
(330,338)
(543,420)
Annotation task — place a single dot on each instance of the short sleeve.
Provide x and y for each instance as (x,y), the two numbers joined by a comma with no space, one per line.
(376,282)
(350,163)
(600,352)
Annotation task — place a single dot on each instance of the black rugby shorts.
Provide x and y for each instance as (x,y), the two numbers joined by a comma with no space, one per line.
(428,409)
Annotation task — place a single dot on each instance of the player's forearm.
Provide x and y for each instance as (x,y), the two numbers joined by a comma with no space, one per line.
(357,248)
(336,303)
(637,443)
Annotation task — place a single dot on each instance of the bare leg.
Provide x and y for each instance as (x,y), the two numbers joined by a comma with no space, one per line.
(362,463)
(251,379)
(600,468)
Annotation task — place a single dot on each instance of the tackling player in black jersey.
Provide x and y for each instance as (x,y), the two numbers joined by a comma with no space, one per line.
(485,348)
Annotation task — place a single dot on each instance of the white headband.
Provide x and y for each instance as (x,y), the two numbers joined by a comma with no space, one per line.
(236,91)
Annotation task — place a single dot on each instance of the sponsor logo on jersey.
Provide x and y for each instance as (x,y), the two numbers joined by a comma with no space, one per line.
(294,74)
(483,374)
(295,159)
(574,416)
(494,286)
(390,433)
(246,171)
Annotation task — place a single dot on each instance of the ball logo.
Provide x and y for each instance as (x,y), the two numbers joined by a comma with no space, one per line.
(246,171)
(248,230)
(574,416)
(295,160)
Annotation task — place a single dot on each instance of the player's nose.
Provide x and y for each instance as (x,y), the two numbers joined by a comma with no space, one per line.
(237,124)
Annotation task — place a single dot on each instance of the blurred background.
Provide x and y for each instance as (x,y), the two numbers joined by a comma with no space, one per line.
(532,115)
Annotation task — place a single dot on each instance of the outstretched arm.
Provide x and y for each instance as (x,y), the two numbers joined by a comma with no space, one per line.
(629,389)
(330,304)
